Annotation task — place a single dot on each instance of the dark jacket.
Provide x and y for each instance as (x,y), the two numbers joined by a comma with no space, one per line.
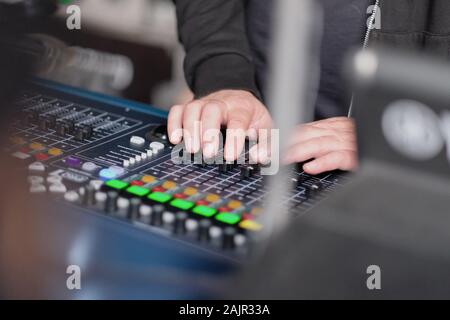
(219,40)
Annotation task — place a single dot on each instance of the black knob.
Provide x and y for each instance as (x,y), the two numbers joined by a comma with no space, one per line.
(88,196)
(157,215)
(228,238)
(79,135)
(88,132)
(135,204)
(111,201)
(180,222)
(44,124)
(61,129)
(203,234)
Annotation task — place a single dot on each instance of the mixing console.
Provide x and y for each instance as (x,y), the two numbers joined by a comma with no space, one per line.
(112,158)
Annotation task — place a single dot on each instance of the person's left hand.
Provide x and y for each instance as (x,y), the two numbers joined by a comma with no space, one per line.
(328,145)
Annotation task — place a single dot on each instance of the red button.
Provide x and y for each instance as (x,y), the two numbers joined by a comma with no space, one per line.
(158,189)
(247,216)
(137,183)
(41,157)
(202,203)
(24,150)
(180,196)
(224,209)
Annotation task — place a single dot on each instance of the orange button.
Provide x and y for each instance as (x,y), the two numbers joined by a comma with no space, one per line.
(169,185)
(189,191)
(55,152)
(148,179)
(212,198)
(36,146)
(250,225)
(234,204)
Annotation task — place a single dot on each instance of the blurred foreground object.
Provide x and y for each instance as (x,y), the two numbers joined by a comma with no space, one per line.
(80,67)
(386,234)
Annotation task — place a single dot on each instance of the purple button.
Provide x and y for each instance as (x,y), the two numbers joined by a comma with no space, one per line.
(73,162)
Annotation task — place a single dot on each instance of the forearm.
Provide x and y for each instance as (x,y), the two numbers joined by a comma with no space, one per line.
(218,56)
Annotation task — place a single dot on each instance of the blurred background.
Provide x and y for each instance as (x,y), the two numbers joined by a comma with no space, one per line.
(140,54)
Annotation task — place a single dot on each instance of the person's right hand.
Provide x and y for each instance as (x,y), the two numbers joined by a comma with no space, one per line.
(199,122)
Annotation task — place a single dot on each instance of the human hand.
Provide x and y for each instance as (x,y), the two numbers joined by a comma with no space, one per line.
(199,122)
(331,143)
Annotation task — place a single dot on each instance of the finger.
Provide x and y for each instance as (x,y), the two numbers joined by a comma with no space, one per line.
(237,126)
(175,124)
(313,148)
(343,160)
(211,120)
(191,126)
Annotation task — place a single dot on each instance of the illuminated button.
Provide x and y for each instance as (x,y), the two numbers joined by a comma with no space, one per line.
(180,196)
(126,163)
(250,225)
(72,162)
(41,157)
(36,146)
(189,191)
(158,189)
(118,170)
(224,209)
(149,153)
(169,185)
(228,218)
(55,152)
(107,174)
(247,216)
(137,183)
(137,141)
(159,197)
(138,191)
(148,179)
(204,211)
(212,198)
(202,203)
(233,204)
(138,159)
(182,204)
(116,184)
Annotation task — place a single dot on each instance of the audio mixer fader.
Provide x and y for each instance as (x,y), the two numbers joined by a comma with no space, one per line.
(112,158)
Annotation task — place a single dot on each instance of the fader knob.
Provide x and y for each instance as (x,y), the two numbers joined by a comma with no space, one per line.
(135,204)
(89,195)
(180,222)
(228,238)
(203,233)
(157,215)
(111,201)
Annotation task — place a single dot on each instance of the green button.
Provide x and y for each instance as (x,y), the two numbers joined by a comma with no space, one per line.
(204,211)
(159,197)
(116,184)
(181,204)
(228,218)
(138,191)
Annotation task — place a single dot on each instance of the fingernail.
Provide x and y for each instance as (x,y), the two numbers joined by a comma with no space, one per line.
(208,150)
